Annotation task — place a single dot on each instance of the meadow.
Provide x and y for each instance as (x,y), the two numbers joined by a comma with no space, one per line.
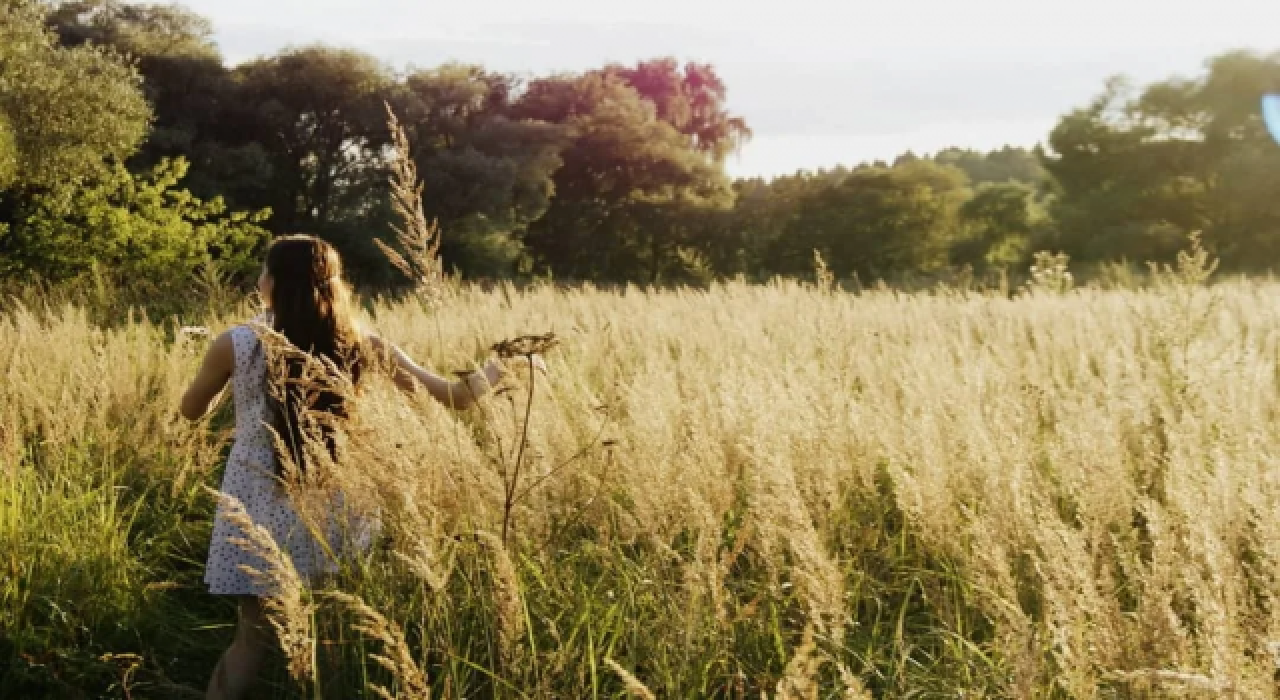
(746,491)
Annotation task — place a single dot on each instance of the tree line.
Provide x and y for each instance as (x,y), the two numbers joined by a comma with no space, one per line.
(126,141)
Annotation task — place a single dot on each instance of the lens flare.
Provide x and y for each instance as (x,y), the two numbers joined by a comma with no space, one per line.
(1271,115)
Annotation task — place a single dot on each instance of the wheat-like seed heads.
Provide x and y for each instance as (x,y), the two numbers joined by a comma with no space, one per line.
(853,687)
(525,345)
(419,238)
(507,598)
(800,677)
(397,658)
(1055,486)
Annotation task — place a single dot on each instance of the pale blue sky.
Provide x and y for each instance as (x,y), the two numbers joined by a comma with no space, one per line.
(822,82)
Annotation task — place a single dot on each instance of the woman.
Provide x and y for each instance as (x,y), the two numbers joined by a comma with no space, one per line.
(308,304)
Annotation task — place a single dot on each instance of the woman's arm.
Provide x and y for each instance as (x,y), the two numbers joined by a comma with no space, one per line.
(211,379)
(409,376)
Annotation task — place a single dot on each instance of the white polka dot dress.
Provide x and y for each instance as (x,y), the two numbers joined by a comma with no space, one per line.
(250,479)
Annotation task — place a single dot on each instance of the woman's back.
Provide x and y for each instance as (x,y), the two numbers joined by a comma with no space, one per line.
(251,480)
(249,391)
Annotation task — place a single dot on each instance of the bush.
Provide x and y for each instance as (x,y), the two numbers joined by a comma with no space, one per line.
(138,226)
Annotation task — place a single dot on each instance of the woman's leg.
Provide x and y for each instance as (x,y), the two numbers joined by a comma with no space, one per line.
(238,667)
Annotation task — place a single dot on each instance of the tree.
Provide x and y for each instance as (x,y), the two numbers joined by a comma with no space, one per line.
(631,181)
(1122,189)
(739,241)
(319,113)
(54,133)
(998,224)
(56,129)
(488,174)
(69,118)
(1006,165)
(875,222)
(317,117)
(8,153)
(184,80)
(1135,172)
(139,225)
(691,99)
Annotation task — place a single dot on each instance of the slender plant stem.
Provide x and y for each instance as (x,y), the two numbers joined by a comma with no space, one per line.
(524,441)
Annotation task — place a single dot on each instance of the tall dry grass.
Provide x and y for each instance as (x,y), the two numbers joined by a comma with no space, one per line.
(773,490)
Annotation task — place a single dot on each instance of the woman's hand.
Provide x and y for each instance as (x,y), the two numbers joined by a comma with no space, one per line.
(460,394)
(529,361)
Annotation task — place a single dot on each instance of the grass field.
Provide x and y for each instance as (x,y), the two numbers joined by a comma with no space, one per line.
(772,490)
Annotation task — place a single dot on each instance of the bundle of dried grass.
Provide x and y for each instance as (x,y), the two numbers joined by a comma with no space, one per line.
(396,657)
(419,240)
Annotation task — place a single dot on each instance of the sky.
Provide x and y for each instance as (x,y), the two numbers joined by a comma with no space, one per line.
(821,82)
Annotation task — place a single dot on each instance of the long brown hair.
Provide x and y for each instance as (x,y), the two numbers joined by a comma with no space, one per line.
(311,308)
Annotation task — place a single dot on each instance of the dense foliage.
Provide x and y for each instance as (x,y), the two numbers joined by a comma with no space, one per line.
(70,118)
(612,175)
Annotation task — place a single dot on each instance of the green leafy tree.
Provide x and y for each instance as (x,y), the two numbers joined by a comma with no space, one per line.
(762,217)
(1136,171)
(56,129)
(631,182)
(1006,165)
(318,117)
(184,79)
(874,222)
(487,174)
(8,153)
(70,116)
(737,241)
(998,223)
(1122,190)
(320,114)
(142,226)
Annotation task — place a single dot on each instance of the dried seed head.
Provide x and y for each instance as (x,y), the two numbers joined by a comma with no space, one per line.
(397,658)
(507,600)
(525,345)
(419,239)
(800,678)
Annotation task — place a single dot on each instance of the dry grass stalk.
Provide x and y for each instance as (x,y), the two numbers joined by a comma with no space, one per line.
(507,602)
(634,687)
(853,687)
(782,515)
(708,570)
(800,678)
(526,346)
(430,557)
(420,240)
(824,278)
(396,659)
(1173,680)
(287,611)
